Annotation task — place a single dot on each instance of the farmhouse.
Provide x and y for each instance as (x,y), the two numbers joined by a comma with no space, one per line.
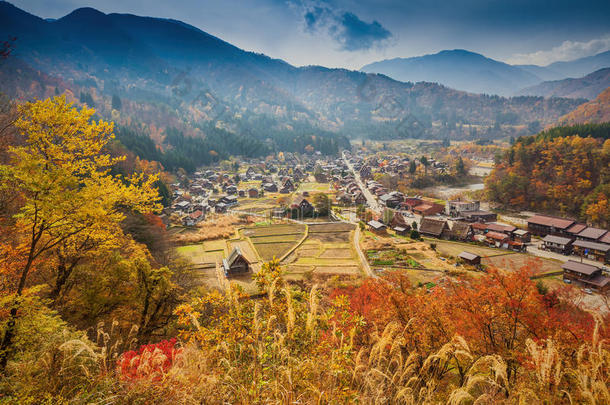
(591,234)
(236,263)
(436,228)
(590,276)
(401,230)
(270,187)
(470,258)
(302,206)
(542,225)
(592,250)
(462,231)
(376,226)
(557,244)
(522,236)
(497,239)
(428,208)
(193,218)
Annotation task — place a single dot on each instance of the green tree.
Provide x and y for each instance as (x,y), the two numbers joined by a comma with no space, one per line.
(116,103)
(321,203)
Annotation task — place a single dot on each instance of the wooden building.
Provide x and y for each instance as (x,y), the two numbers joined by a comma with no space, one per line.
(592,250)
(436,228)
(557,244)
(377,227)
(236,263)
(462,231)
(590,276)
(470,258)
(542,225)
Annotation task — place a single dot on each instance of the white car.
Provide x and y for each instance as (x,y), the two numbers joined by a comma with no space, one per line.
(587,291)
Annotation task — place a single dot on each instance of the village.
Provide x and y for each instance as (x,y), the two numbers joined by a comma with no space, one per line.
(325,217)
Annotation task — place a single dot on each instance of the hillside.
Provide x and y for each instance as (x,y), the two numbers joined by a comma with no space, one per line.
(561,171)
(595,111)
(589,86)
(458,69)
(168,70)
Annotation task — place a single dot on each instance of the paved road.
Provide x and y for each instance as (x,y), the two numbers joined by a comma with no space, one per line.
(535,250)
(370,199)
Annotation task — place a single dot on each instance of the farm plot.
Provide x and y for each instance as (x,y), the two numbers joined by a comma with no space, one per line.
(326,251)
(275,240)
(455,248)
(515,261)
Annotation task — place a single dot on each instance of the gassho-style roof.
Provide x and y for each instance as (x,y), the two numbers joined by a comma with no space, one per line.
(235,254)
(602,247)
(556,239)
(578,267)
(432,226)
(592,233)
(559,223)
(468,256)
(460,229)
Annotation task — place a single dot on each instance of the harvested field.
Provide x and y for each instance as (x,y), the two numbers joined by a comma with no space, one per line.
(337,253)
(282,229)
(277,238)
(515,261)
(330,237)
(334,227)
(268,250)
(455,248)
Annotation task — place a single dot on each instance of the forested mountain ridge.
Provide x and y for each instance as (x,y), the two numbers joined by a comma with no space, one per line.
(166,70)
(594,111)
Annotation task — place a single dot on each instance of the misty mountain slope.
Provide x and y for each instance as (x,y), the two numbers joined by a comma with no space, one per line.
(582,66)
(589,86)
(459,69)
(168,70)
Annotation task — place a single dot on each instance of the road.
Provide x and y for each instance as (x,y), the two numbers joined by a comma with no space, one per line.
(370,199)
(534,249)
(365,263)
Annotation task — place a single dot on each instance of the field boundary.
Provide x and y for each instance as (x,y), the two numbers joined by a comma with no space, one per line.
(299,243)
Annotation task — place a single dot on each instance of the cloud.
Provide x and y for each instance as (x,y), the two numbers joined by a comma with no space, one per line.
(567,51)
(357,35)
(344,27)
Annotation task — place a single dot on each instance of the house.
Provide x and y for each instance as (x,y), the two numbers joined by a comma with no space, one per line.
(250,173)
(288,185)
(457,208)
(365,172)
(301,207)
(497,239)
(390,200)
(344,198)
(590,276)
(542,225)
(270,187)
(592,250)
(428,208)
(522,236)
(360,199)
(575,230)
(236,263)
(480,216)
(376,226)
(462,231)
(399,220)
(220,208)
(193,218)
(591,234)
(252,192)
(501,228)
(401,230)
(229,200)
(436,228)
(470,258)
(183,206)
(557,244)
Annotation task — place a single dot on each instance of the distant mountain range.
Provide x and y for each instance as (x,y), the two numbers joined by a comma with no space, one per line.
(589,86)
(469,71)
(594,112)
(168,73)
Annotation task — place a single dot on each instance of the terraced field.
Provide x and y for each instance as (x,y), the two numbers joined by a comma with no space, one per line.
(274,240)
(326,251)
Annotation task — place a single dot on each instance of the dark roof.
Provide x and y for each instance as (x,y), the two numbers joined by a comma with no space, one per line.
(576,228)
(599,280)
(559,223)
(235,254)
(460,229)
(432,226)
(592,233)
(399,228)
(468,256)
(556,239)
(605,238)
(602,247)
(578,267)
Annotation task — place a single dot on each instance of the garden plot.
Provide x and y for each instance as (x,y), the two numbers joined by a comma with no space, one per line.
(274,240)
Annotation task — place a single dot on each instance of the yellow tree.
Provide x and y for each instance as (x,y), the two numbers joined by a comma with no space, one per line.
(62,174)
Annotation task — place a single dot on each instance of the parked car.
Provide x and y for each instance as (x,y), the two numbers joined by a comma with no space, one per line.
(587,291)
(567,281)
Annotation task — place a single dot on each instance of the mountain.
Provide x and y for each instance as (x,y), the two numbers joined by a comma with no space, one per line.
(459,69)
(594,112)
(582,66)
(170,75)
(589,86)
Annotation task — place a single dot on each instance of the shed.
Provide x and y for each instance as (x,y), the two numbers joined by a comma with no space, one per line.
(236,263)
(470,258)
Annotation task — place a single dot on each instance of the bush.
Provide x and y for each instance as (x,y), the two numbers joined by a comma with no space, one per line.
(414,234)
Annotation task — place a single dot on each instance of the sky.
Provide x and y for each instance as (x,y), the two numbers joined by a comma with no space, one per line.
(352,33)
